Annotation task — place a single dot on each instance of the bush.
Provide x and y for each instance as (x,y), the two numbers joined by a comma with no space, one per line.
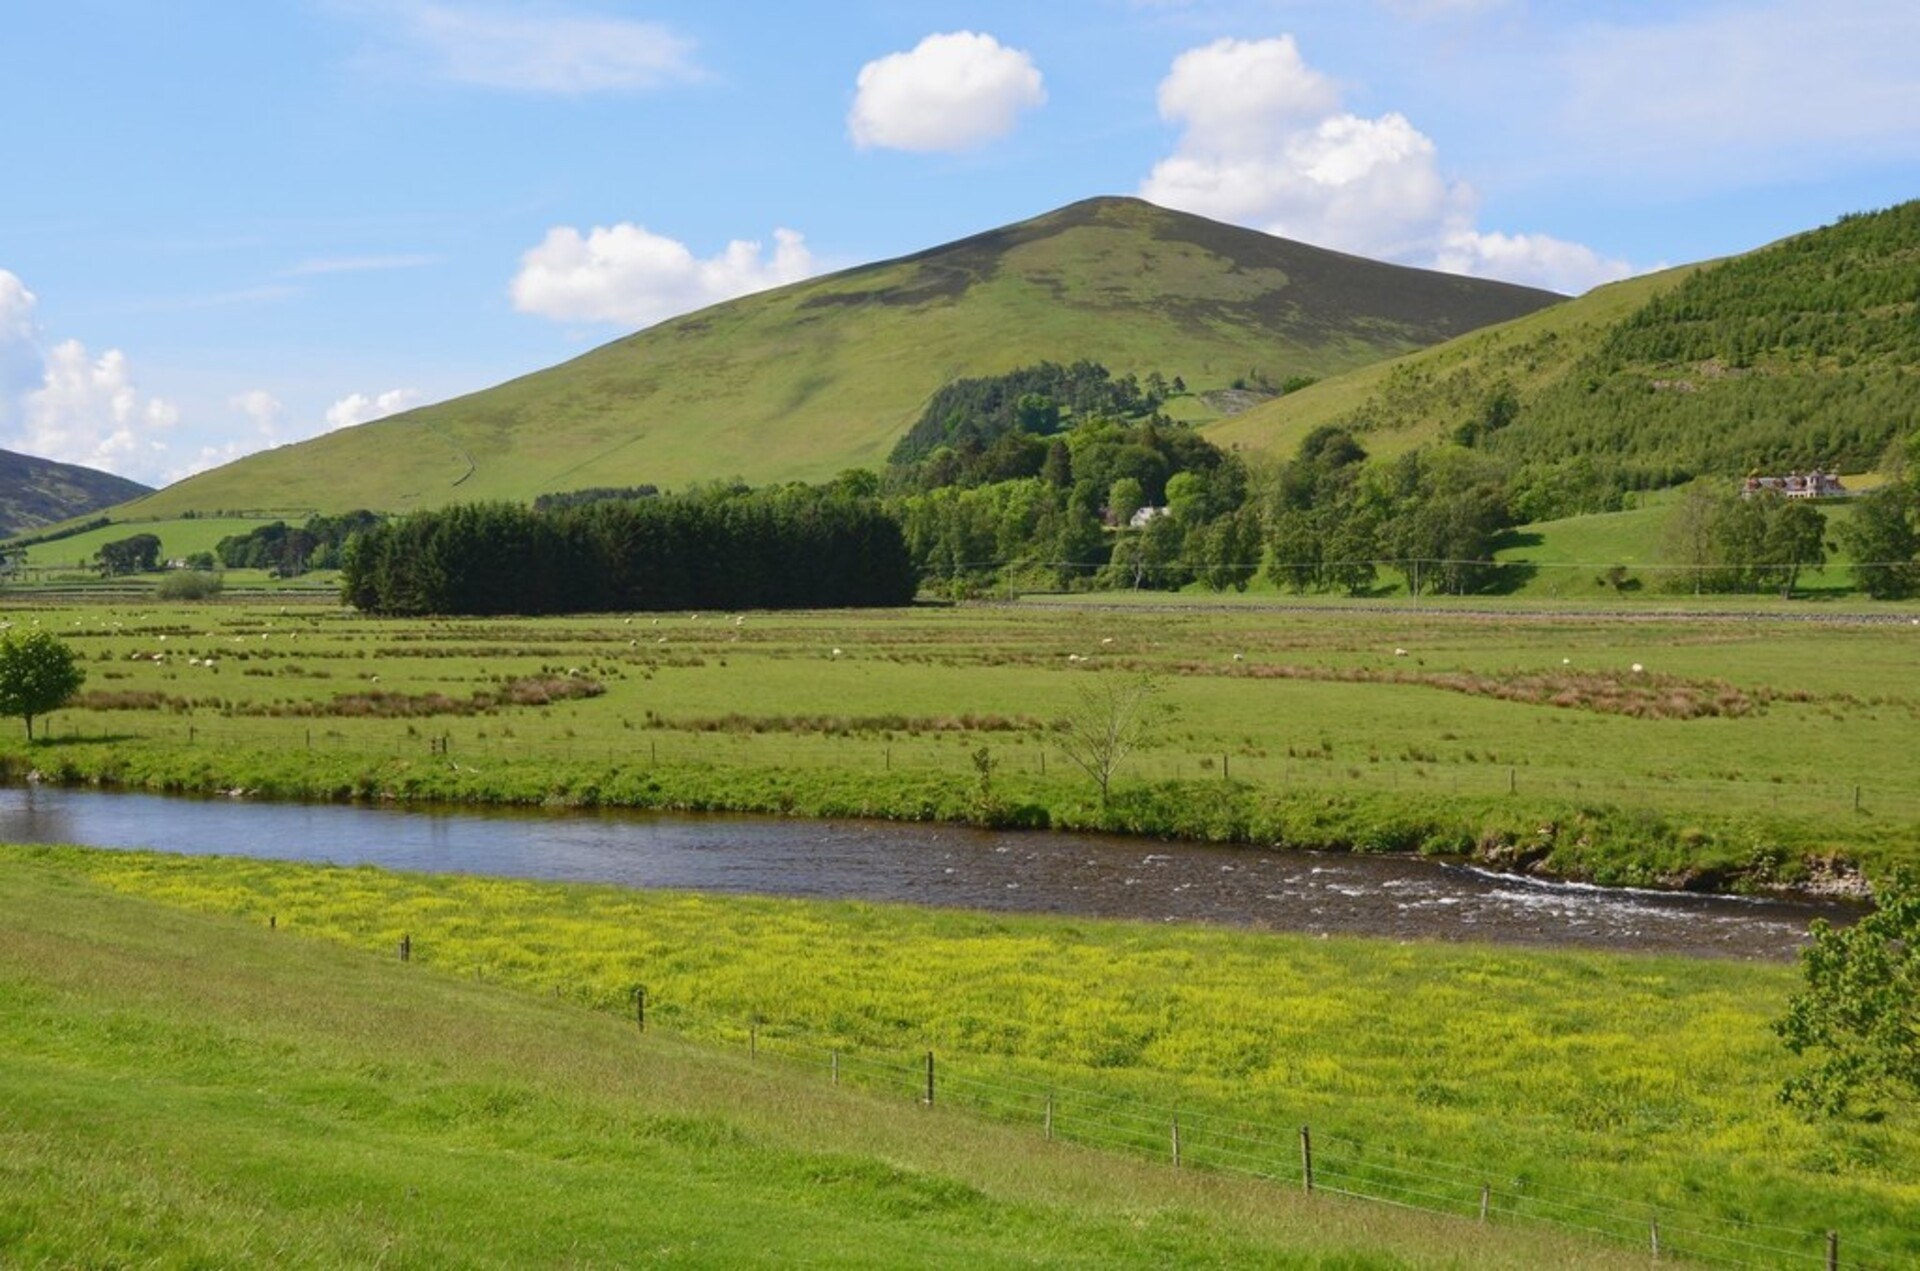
(190,584)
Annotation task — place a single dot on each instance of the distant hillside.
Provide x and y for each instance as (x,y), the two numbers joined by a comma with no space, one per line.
(36,492)
(809,379)
(1804,352)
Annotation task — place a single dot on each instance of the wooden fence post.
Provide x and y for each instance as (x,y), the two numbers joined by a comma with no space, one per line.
(406,948)
(1176,1141)
(273,921)
(1833,1251)
(640,1007)
(1049,1117)
(1306,1159)
(753,1041)
(833,1066)
(1486,1196)
(1656,1239)
(929,1079)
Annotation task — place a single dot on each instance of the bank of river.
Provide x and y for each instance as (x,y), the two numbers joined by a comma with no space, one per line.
(1061,873)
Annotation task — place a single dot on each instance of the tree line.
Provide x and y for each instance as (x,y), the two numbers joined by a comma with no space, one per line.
(787,547)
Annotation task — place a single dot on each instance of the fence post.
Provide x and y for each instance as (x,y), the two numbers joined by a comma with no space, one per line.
(1856,798)
(640,1007)
(406,948)
(1306,1159)
(1176,1140)
(753,1041)
(1513,780)
(1656,1239)
(1226,770)
(273,921)
(1049,1116)
(1486,1195)
(1833,1251)
(834,1067)
(929,1079)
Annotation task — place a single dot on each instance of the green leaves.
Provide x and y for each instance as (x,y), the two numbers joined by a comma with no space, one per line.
(37,674)
(1860,1011)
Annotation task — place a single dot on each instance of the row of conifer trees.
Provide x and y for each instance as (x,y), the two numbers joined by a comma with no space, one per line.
(792,547)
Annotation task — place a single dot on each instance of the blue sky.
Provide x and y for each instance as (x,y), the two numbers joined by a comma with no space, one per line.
(225,226)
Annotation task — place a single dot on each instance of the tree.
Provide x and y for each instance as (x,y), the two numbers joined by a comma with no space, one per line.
(1860,1010)
(37,675)
(136,555)
(1107,723)
(1689,534)
(1124,498)
(1796,540)
(1884,538)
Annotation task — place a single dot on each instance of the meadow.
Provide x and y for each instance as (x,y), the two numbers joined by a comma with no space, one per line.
(1748,749)
(188,1089)
(1587,1093)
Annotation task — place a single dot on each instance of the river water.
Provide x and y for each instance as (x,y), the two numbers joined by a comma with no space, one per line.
(1084,874)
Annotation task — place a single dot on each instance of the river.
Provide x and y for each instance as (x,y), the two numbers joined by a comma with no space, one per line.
(1090,875)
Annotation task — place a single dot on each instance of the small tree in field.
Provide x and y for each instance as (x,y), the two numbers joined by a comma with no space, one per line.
(1860,1010)
(37,675)
(1107,724)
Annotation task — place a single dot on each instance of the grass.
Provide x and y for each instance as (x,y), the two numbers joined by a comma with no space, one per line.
(1597,1090)
(1750,749)
(179,537)
(807,380)
(186,1088)
(1531,351)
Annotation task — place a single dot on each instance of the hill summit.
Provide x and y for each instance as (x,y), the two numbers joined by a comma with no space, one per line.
(805,380)
(36,492)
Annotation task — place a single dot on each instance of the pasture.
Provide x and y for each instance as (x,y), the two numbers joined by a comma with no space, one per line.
(1584,1091)
(1745,750)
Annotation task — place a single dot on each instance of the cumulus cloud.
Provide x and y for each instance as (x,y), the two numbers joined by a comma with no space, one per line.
(542,50)
(949,92)
(1264,142)
(260,406)
(88,410)
(361,408)
(627,274)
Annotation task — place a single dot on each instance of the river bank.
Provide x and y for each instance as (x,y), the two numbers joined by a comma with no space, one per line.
(1064,874)
(1689,753)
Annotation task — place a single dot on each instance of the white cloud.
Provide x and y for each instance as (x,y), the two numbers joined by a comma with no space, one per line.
(540,50)
(88,410)
(627,274)
(1265,143)
(359,408)
(260,406)
(1538,260)
(950,92)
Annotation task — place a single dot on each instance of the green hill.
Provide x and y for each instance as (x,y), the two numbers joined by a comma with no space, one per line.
(1804,352)
(806,380)
(36,492)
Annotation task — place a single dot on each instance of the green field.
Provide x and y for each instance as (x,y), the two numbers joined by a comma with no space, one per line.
(1585,1091)
(190,1090)
(1751,748)
(179,537)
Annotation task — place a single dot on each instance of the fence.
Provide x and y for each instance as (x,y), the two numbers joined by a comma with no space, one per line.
(1296,1157)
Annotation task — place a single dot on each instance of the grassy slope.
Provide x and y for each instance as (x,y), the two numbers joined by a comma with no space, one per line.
(1799,352)
(36,492)
(178,537)
(186,1089)
(806,380)
(1404,403)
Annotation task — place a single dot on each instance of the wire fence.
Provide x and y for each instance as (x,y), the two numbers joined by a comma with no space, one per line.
(1299,1157)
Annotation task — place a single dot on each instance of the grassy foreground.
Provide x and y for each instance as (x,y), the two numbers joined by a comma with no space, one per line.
(1592,1090)
(187,1089)
(1748,749)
